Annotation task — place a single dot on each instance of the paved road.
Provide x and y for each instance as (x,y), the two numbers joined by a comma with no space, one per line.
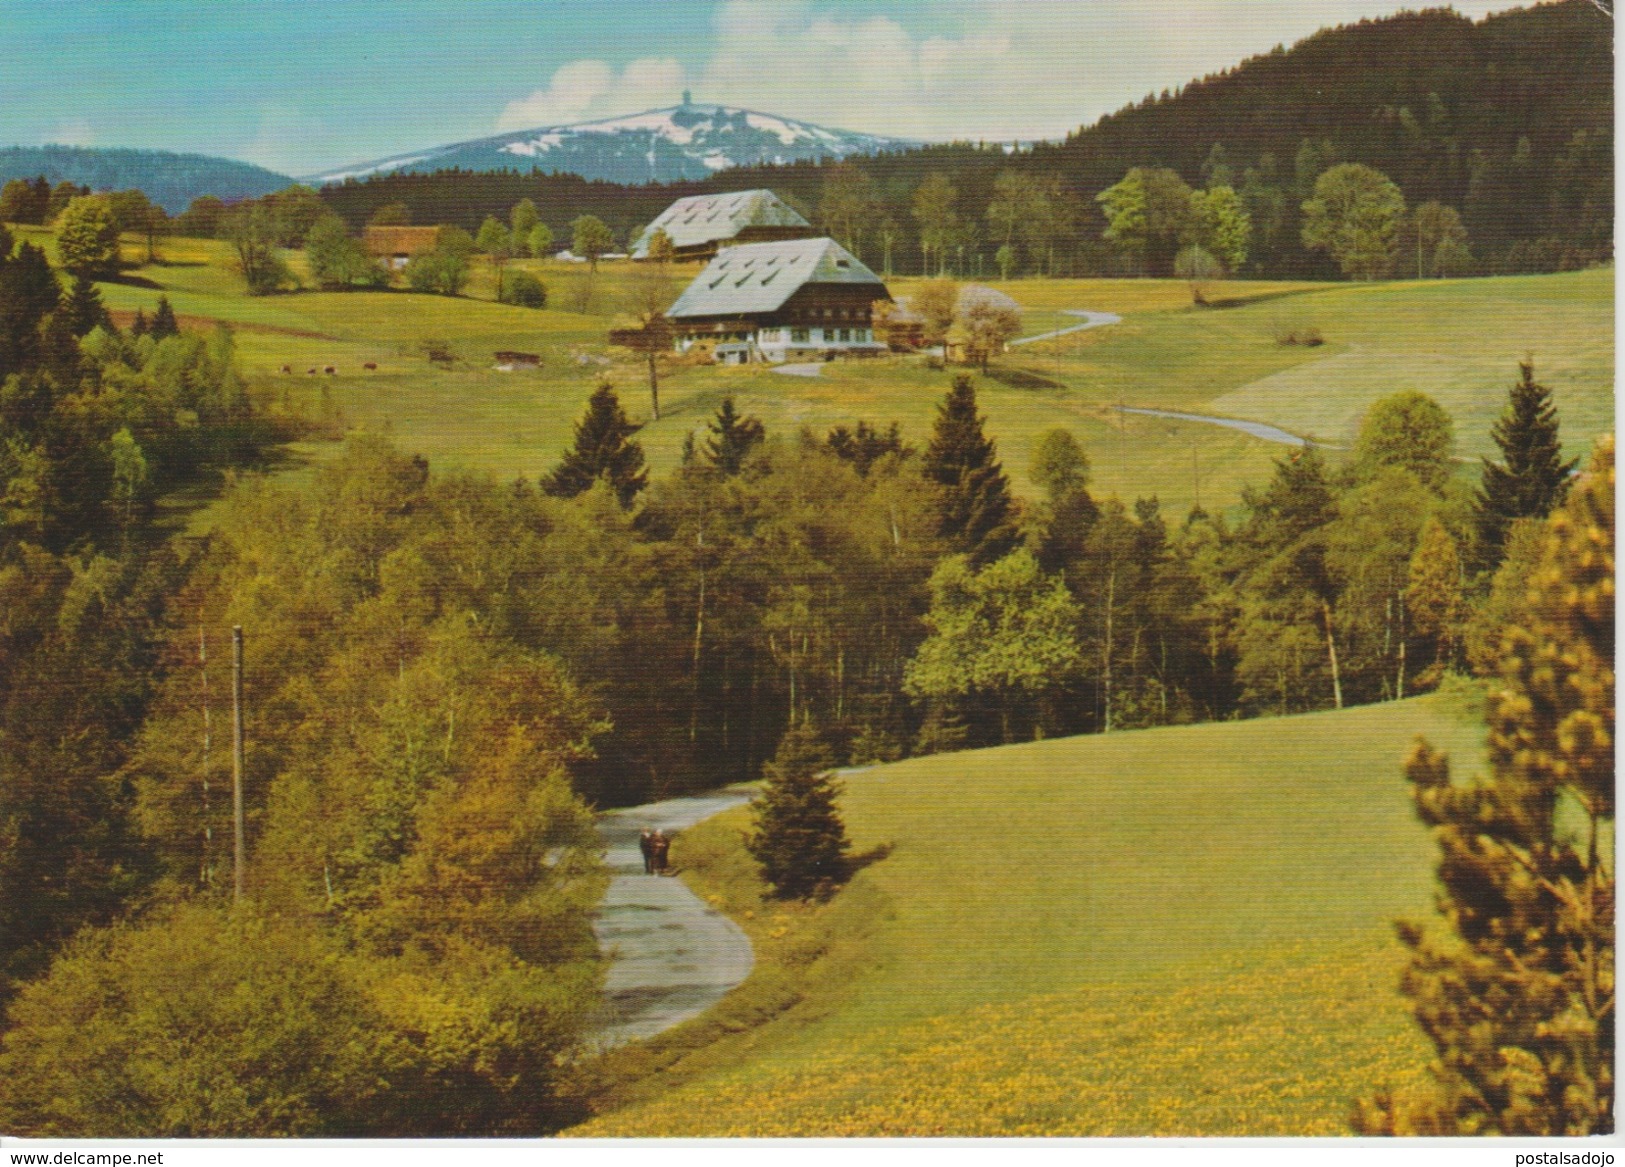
(672,956)
(1256,428)
(1090,320)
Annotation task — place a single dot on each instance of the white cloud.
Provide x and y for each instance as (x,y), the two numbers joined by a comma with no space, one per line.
(75,132)
(282,139)
(585,89)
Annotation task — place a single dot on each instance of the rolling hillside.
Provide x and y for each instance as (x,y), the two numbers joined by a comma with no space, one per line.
(1168,932)
(1458,340)
(170,180)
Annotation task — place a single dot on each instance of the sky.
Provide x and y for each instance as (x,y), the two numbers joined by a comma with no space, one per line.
(301,86)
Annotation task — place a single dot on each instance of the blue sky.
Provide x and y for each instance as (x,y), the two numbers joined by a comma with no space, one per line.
(306,85)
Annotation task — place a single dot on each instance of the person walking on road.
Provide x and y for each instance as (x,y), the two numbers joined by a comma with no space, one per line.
(646,844)
(661,846)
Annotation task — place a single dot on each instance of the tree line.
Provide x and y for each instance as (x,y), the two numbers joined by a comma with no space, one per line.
(1422,98)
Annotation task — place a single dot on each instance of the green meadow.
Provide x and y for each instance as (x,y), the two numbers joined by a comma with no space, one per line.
(1180,931)
(1457,340)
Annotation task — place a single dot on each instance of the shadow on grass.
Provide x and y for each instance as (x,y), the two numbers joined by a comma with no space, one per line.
(1244,301)
(856,863)
(126,280)
(1020,378)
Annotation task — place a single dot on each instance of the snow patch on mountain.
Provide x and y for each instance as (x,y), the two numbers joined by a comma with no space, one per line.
(685,141)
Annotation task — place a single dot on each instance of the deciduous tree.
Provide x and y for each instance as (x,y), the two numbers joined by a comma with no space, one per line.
(1354,216)
(591,238)
(1005,634)
(87,237)
(1148,213)
(985,321)
(1410,431)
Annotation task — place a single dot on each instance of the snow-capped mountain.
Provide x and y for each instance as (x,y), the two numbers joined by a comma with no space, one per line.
(686,141)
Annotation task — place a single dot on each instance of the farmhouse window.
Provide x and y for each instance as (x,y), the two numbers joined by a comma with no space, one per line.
(798,336)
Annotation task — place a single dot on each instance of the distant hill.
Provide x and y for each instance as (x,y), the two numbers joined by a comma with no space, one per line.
(684,142)
(170,180)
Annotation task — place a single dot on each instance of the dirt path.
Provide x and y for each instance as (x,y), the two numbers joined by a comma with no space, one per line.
(672,956)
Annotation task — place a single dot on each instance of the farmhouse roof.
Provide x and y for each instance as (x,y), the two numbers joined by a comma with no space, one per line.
(702,219)
(760,277)
(400,240)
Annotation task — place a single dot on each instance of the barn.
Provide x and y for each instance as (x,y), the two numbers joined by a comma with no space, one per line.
(396,246)
(800,299)
(699,226)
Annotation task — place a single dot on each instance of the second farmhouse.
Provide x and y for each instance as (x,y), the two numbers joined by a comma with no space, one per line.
(699,226)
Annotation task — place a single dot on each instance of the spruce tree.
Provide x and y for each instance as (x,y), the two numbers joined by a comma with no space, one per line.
(602,448)
(83,306)
(799,841)
(1515,986)
(732,438)
(973,505)
(1533,476)
(164,323)
(140,326)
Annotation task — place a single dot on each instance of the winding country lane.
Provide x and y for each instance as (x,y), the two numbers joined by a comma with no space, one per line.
(1090,320)
(1257,429)
(672,956)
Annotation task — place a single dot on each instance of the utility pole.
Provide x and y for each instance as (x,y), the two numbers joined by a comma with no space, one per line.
(237,761)
(208,740)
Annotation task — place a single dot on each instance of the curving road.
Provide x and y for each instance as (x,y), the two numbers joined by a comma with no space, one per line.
(671,955)
(1257,429)
(1090,320)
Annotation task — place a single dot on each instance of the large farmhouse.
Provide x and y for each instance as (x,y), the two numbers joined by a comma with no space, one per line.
(799,299)
(699,226)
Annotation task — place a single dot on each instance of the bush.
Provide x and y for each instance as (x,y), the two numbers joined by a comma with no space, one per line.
(524,290)
(211,1023)
(198,1025)
(438,350)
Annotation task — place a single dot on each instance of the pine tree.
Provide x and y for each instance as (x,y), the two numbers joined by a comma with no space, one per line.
(83,306)
(164,323)
(732,438)
(1515,987)
(1533,477)
(799,840)
(602,448)
(140,326)
(974,505)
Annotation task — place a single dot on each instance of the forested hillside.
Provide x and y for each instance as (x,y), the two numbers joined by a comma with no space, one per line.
(1506,121)
(170,180)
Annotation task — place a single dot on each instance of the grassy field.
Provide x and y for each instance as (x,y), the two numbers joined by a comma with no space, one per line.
(1180,931)
(1459,340)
